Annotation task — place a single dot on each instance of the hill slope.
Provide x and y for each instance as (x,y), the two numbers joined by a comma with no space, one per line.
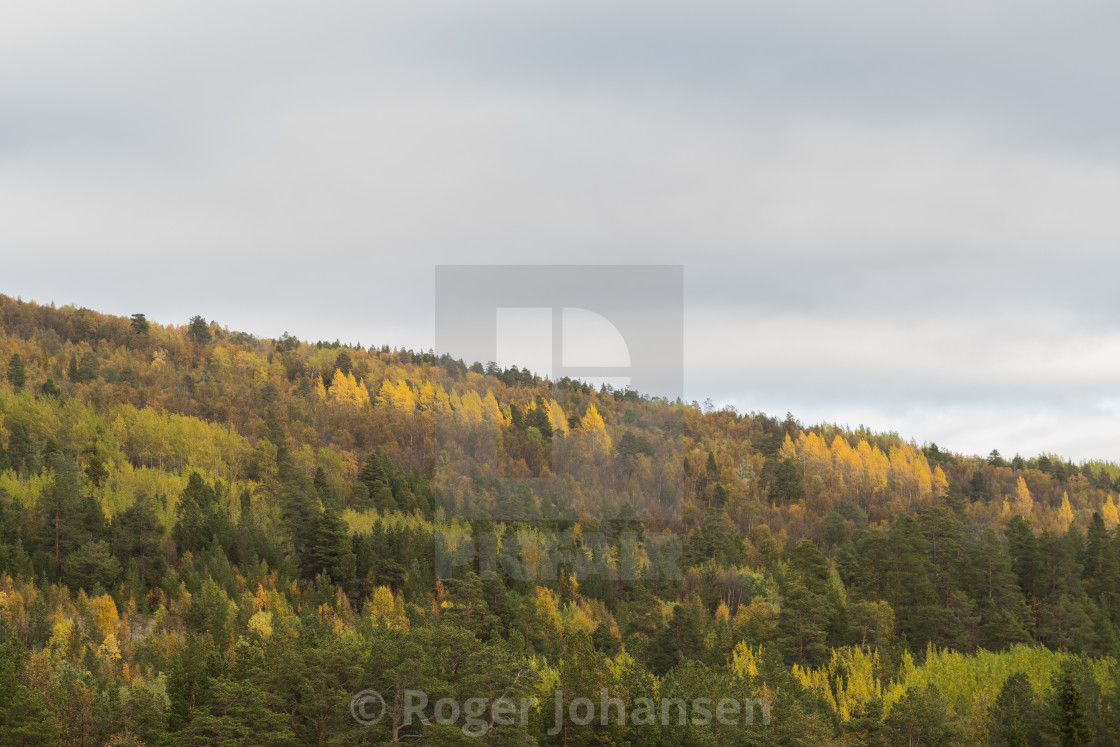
(192,518)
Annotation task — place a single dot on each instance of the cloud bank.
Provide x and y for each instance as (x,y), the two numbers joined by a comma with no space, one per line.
(901,216)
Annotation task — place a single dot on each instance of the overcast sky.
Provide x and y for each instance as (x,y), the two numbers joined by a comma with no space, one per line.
(905,215)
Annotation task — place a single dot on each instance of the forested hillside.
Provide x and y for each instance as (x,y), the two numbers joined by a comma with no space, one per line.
(211,538)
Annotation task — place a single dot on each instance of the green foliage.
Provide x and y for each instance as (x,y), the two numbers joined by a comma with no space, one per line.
(24,719)
(201,544)
(199,331)
(17,374)
(1015,715)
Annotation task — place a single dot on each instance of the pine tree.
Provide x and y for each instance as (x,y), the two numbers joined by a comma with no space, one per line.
(17,375)
(979,489)
(788,485)
(922,717)
(1014,720)
(140,324)
(199,331)
(1068,715)
(375,475)
(24,718)
(331,551)
(465,607)
(60,508)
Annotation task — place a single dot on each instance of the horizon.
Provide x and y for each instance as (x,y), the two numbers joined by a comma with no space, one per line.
(912,439)
(895,216)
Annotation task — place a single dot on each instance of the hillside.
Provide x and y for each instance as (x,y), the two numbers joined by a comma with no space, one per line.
(210,538)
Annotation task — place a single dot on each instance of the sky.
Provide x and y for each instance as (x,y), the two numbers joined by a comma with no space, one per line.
(900,215)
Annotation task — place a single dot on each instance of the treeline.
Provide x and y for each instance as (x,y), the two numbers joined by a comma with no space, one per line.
(209,538)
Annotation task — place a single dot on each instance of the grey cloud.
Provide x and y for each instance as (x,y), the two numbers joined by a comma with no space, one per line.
(933,185)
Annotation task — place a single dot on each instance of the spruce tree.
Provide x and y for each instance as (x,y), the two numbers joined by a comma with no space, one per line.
(17,375)
(1068,714)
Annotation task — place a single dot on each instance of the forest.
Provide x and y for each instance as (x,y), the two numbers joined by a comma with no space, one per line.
(210,538)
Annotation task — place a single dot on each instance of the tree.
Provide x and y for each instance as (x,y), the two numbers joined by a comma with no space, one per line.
(234,713)
(1022,503)
(24,719)
(331,551)
(90,565)
(199,331)
(17,376)
(343,362)
(400,661)
(375,476)
(140,324)
(466,607)
(201,518)
(60,509)
(1068,716)
(314,682)
(788,485)
(72,371)
(979,489)
(137,537)
(682,638)
(922,718)
(1014,717)
(189,680)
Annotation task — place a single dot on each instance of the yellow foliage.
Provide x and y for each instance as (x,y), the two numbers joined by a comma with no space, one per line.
(434,399)
(595,429)
(471,407)
(491,412)
(548,610)
(757,619)
(109,650)
(261,624)
(940,481)
(65,638)
(788,450)
(744,660)
(846,463)
(1022,503)
(104,612)
(11,606)
(397,396)
(260,599)
(320,390)
(556,418)
(1065,513)
(876,466)
(579,617)
(848,682)
(969,681)
(346,391)
(386,609)
(1109,513)
(722,613)
(427,396)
